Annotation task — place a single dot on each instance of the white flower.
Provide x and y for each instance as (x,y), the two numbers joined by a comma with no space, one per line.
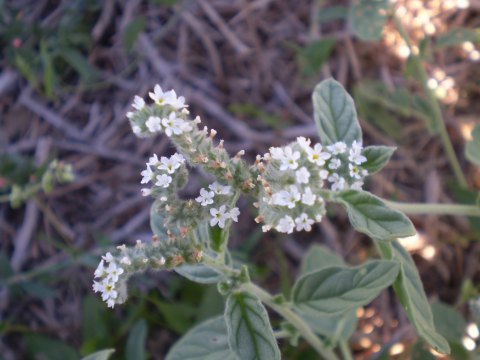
(205,198)
(277,153)
(154,124)
(303,222)
(308,198)
(338,182)
(147,175)
(178,158)
(163,180)
(136,129)
(317,156)
(323,174)
(125,260)
(129,115)
(354,171)
(318,218)
(355,153)
(286,198)
(169,164)
(111,303)
(113,272)
(218,217)
(138,103)
(146,192)
(97,286)
(219,189)
(157,95)
(290,159)
(173,125)
(100,270)
(108,291)
(285,225)
(233,214)
(108,257)
(338,148)
(153,161)
(304,143)
(334,164)
(266,228)
(357,185)
(302,175)
(172,100)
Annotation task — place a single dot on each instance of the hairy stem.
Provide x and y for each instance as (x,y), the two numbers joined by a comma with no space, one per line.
(435,209)
(434,105)
(345,350)
(294,319)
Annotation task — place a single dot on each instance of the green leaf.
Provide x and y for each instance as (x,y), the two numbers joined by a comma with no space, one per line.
(48,70)
(94,329)
(472,149)
(51,349)
(334,327)
(368,18)
(311,57)
(370,215)
(26,69)
(448,322)
(205,341)
(199,273)
(420,351)
(81,65)
(457,36)
(132,30)
(250,334)
(157,222)
(411,295)
(335,114)
(377,157)
(317,257)
(335,289)
(136,342)
(100,355)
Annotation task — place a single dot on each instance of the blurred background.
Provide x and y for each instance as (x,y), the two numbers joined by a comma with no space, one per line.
(70,165)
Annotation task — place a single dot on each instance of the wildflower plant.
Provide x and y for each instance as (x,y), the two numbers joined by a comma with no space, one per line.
(290,187)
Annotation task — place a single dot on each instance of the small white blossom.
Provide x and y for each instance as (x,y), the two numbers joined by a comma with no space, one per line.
(169,164)
(173,125)
(129,115)
(107,257)
(125,260)
(323,174)
(163,180)
(338,182)
(97,286)
(302,175)
(205,198)
(354,171)
(172,100)
(108,291)
(218,216)
(338,148)
(219,189)
(287,198)
(113,272)
(334,164)
(304,143)
(308,197)
(100,270)
(318,218)
(355,153)
(357,185)
(147,175)
(317,156)
(136,129)
(277,153)
(146,191)
(233,214)
(285,225)
(303,222)
(266,228)
(138,103)
(158,95)
(154,124)
(290,159)
(153,161)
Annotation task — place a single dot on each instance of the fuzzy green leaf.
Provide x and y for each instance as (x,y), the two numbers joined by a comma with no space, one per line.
(335,114)
(205,341)
(368,18)
(472,149)
(317,257)
(100,355)
(334,290)
(250,334)
(409,289)
(370,215)
(199,273)
(377,157)
(136,342)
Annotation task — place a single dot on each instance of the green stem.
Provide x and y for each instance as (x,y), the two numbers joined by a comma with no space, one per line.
(293,318)
(281,334)
(434,105)
(346,353)
(435,209)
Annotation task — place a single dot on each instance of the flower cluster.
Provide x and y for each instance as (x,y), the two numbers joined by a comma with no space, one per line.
(219,215)
(160,172)
(295,176)
(109,273)
(169,114)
